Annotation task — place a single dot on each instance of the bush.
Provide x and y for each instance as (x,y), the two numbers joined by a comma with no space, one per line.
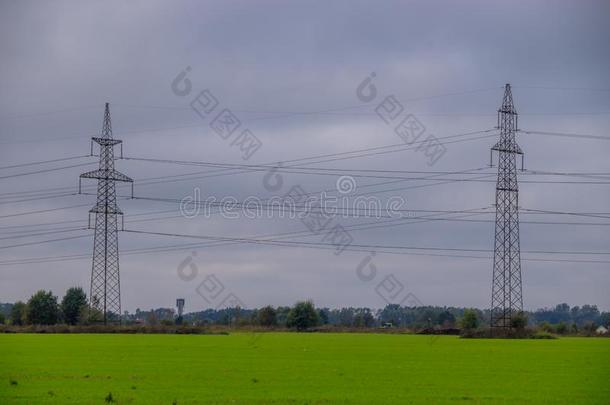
(562,328)
(88,315)
(42,309)
(267,316)
(469,320)
(518,321)
(72,304)
(18,315)
(543,335)
(303,316)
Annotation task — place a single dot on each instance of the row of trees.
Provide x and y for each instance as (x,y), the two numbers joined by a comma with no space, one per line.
(305,315)
(43,308)
(396,315)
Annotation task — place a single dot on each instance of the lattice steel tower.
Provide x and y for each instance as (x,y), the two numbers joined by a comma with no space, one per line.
(105,293)
(506,293)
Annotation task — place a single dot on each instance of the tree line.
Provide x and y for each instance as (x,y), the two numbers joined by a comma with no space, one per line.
(43,308)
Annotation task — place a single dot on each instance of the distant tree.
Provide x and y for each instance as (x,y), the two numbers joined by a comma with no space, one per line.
(469,320)
(562,328)
(302,316)
(604,319)
(589,326)
(562,308)
(18,313)
(391,313)
(323,315)
(253,318)
(2,319)
(72,304)
(574,312)
(363,318)
(42,308)
(545,326)
(446,319)
(236,315)
(282,315)
(584,314)
(563,312)
(88,315)
(152,318)
(519,321)
(267,316)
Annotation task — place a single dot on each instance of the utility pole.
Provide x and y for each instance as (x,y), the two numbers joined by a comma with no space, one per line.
(105,293)
(506,292)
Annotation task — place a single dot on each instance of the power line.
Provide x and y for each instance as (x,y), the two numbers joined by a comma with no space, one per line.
(180,247)
(562,88)
(568,135)
(337,171)
(45,170)
(43,211)
(146,181)
(364,246)
(40,162)
(582,214)
(48,112)
(40,197)
(44,241)
(46,232)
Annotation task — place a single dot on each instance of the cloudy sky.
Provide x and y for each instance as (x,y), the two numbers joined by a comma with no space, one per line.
(290,72)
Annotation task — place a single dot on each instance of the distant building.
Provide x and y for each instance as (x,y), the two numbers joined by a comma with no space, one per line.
(180,305)
(602,330)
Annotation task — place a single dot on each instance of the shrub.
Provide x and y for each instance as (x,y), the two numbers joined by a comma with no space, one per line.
(72,304)
(470,320)
(543,335)
(18,315)
(546,327)
(267,316)
(562,328)
(302,316)
(42,308)
(518,321)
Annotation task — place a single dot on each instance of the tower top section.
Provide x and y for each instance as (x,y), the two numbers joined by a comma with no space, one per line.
(107,127)
(507,102)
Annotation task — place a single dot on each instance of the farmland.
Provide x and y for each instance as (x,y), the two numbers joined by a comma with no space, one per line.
(310,368)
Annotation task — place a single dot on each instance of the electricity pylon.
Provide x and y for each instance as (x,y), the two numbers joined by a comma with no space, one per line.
(105,293)
(506,292)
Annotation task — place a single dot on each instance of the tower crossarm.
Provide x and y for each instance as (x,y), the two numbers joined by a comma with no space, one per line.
(106,141)
(106,175)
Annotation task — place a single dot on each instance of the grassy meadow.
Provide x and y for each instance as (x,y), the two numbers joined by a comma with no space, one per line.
(300,368)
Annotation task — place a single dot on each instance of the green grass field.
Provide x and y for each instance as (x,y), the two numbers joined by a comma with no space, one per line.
(291,368)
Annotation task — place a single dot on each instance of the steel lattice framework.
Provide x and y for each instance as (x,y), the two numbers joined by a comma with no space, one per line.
(506,293)
(105,293)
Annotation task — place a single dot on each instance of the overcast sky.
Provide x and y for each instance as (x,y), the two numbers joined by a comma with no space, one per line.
(290,71)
